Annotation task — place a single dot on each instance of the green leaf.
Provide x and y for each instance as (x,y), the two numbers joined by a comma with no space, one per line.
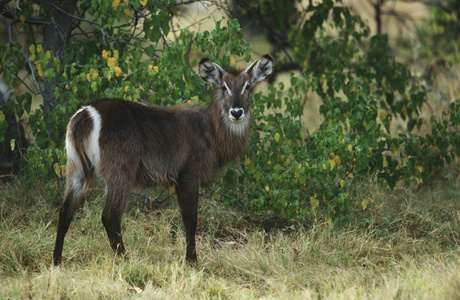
(49,74)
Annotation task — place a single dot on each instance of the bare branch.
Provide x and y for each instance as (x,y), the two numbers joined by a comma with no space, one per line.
(33,73)
(69,14)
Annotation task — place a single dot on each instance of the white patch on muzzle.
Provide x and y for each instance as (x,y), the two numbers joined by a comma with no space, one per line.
(236,110)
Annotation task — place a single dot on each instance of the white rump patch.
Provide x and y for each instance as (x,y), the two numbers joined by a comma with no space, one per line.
(70,146)
(92,144)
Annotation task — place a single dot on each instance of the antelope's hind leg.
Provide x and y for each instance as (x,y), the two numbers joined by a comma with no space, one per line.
(115,203)
(72,200)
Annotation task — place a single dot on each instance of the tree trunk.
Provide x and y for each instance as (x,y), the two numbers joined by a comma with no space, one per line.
(55,38)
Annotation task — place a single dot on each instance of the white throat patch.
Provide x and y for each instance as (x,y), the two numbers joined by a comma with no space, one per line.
(237,127)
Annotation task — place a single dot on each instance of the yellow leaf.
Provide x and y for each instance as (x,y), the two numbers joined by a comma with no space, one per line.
(105,54)
(171,190)
(125,2)
(232,61)
(126,88)
(12,144)
(117,71)
(350,175)
(324,166)
(64,170)
(111,62)
(136,95)
(248,160)
(267,188)
(420,169)
(332,163)
(2,116)
(94,74)
(314,203)
(342,183)
(143,2)
(350,147)
(115,54)
(156,69)
(115,4)
(88,77)
(57,170)
(328,218)
(150,68)
(405,161)
(40,71)
(385,162)
(364,204)
(277,137)
(337,160)
(22,18)
(126,11)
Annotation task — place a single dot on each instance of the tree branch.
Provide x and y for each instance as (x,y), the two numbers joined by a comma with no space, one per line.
(69,14)
(76,17)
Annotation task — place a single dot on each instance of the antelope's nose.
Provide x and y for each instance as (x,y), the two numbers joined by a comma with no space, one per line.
(236,113)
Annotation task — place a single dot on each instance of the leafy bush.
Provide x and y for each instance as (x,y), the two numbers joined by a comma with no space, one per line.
(289,172)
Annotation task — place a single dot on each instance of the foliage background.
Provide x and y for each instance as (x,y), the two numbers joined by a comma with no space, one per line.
(372,106)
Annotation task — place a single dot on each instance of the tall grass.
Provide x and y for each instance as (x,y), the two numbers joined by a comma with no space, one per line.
(406,245)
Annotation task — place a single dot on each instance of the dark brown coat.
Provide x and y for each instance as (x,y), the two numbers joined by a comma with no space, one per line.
(135,144)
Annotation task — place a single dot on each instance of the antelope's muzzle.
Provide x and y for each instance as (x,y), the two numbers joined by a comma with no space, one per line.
(236,113)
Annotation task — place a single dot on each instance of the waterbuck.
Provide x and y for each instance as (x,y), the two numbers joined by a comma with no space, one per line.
(133,144)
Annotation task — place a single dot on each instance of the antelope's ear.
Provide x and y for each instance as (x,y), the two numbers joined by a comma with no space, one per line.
(210,72)
(262,70)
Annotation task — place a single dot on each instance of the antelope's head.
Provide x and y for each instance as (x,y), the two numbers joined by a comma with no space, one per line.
(235,85)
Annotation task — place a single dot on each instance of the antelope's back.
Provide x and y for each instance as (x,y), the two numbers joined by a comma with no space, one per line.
(154,143)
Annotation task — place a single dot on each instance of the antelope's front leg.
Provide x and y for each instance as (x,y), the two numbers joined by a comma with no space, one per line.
(187,195)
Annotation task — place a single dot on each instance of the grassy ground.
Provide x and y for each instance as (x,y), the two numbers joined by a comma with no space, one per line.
(405,246)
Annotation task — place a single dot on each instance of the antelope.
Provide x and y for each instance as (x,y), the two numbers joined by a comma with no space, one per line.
(131,144)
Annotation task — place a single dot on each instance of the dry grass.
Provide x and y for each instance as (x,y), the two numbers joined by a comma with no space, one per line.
(409,247)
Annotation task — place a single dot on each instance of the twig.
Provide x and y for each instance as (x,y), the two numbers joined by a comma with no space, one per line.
(26,58)
(69,14)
